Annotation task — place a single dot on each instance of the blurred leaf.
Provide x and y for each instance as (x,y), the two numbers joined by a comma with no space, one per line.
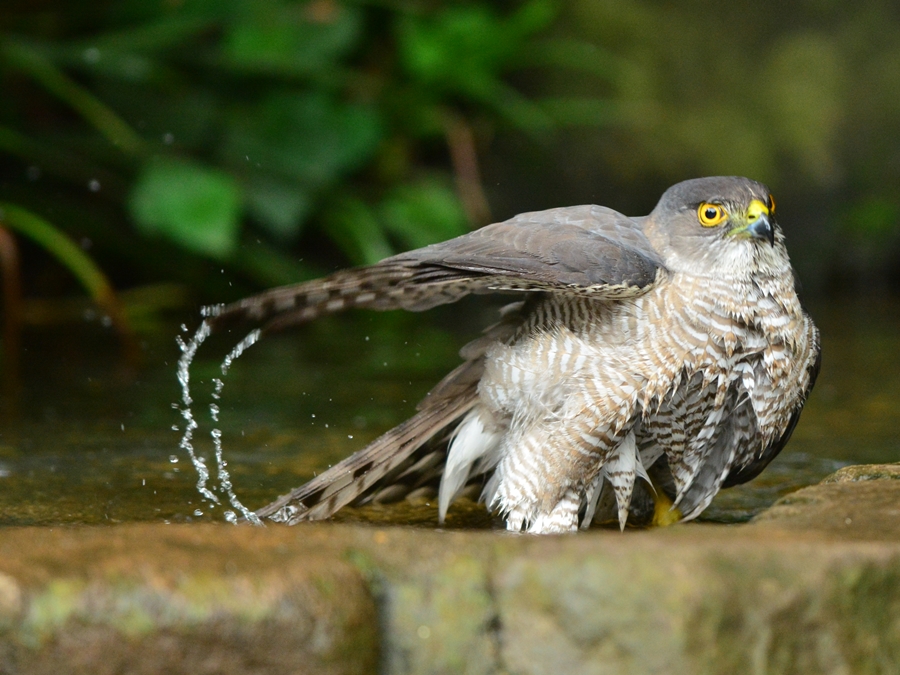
(187,119)
(465,49)
(309,137)
(34,61)
(278,205)
(158,34)
(355,228)
(130,54)
(193,205)
(423,214)
(293,38)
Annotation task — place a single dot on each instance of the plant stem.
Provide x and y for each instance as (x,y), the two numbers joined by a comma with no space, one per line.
(92,109)
(74,259)
(12,313)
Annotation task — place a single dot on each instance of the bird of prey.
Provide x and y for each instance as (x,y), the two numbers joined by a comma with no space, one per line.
(670,346)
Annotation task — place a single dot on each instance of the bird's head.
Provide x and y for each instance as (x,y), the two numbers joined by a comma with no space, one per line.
(720,226)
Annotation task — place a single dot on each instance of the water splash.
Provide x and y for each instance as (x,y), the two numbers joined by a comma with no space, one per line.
(249,340)
(188,352)
(221,465)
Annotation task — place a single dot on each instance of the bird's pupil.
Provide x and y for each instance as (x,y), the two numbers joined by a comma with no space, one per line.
(711,213)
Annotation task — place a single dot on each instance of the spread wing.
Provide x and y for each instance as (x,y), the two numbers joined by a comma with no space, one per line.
(581,250)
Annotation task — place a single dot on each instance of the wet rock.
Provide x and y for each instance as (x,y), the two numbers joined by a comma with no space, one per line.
(855,503)
(437,608)
(179,600)
(699,602)
(861,472)
(797,591)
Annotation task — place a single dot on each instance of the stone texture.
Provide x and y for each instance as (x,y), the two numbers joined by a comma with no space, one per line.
(438,612)
(811,586)
(841,507)
(861,472)
(705,602)
(164,599)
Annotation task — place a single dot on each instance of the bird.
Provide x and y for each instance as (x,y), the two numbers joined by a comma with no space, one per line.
(667,353)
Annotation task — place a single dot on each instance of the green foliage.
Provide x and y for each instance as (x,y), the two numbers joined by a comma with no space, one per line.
(194,206)
(426,202)
(291,39)
(211,124)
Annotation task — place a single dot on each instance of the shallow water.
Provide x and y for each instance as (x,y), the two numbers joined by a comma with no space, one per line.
(94,443)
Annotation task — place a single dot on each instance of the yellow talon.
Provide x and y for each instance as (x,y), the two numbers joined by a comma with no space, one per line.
(664,511)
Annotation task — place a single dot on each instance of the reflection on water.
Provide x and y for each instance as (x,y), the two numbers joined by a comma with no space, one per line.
(94,445)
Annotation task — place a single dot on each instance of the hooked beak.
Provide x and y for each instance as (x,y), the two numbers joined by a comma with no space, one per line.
(761,228)
(757,224)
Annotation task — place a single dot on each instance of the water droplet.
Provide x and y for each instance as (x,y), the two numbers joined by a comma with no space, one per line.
(91,55)
(94,185)
(198,512)
(168,138)
(173,459)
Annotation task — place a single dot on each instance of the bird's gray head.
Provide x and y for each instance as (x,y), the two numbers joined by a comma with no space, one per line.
(720,226)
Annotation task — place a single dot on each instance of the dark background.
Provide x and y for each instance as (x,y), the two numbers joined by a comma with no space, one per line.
(191,151)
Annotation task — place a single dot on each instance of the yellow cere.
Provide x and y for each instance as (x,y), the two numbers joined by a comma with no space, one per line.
(711,215)
(755,210)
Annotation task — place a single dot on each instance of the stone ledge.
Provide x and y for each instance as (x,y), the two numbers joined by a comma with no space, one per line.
(797,591)
(856,503)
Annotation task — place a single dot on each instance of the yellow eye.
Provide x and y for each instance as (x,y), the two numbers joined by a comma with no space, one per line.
(771,205)
(711,215)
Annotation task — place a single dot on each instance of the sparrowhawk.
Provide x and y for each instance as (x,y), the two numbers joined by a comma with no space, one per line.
(671,345)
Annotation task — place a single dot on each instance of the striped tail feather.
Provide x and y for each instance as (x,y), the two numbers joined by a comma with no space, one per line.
(396,462)
(384,286)
(349,480)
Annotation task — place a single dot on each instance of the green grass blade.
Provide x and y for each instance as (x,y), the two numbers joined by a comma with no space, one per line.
(68,253)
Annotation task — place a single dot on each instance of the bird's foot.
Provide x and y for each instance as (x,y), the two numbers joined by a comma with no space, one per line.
(665,512)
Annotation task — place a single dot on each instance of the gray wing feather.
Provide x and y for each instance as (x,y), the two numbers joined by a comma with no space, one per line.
(583,250)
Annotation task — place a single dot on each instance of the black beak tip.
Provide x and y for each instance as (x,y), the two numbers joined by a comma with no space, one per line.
(761,228)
